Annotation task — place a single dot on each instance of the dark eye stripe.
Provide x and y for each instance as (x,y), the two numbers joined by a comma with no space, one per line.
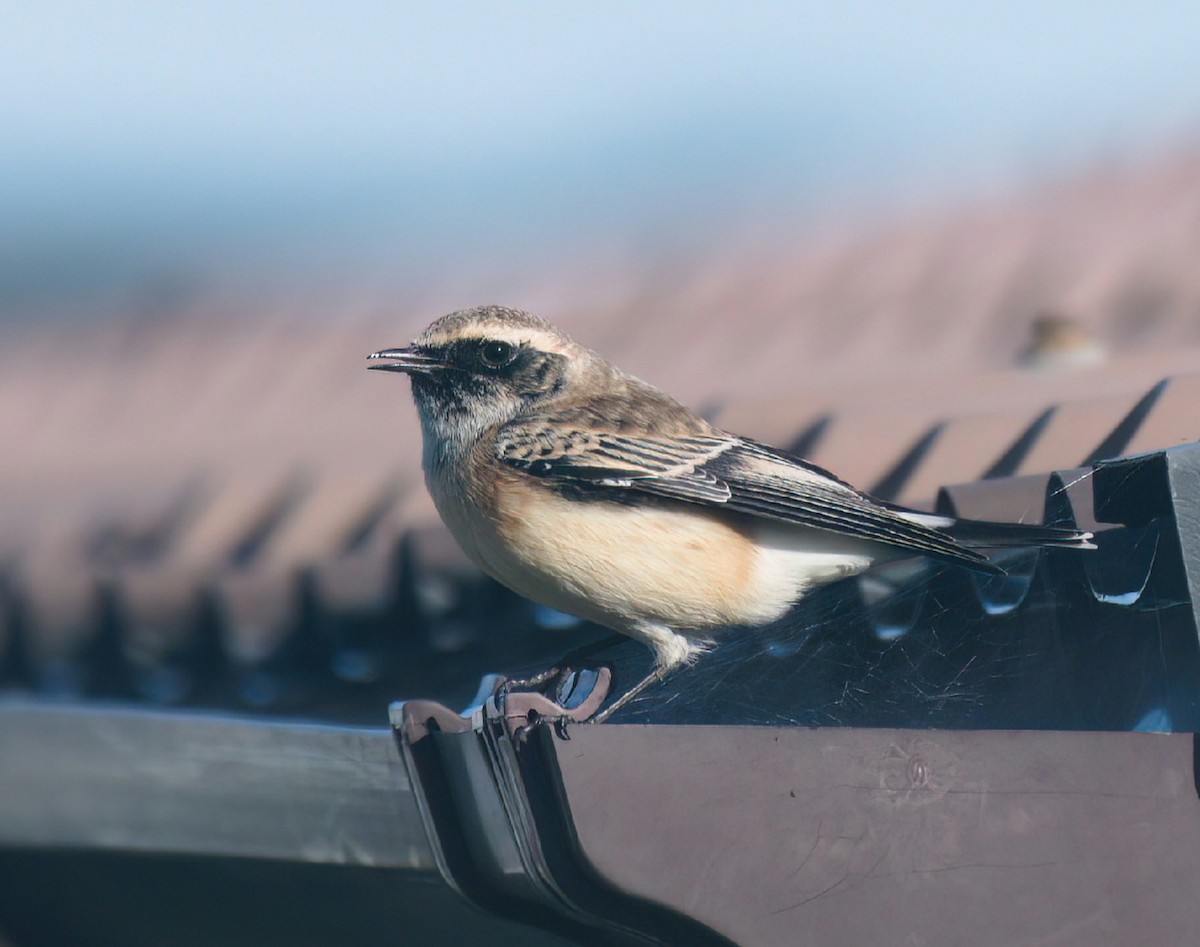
(496,354)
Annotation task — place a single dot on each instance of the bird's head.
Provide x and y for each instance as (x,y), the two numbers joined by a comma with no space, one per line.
(478,368)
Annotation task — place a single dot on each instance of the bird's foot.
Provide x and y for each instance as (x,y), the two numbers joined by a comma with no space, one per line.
(560,697)
(519,684)
(563,680)
(534,720)
(656,676)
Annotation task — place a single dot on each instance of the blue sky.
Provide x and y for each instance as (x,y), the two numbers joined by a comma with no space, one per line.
(210,136)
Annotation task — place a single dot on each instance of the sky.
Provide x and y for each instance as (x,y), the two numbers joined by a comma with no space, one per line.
(142,141)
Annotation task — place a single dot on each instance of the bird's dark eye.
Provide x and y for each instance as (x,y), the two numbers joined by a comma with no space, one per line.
(496,354)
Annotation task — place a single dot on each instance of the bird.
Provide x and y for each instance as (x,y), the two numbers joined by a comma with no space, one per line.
(1060,342)
(588,490)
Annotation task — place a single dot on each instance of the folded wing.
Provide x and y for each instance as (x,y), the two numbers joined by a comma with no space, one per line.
(723,471)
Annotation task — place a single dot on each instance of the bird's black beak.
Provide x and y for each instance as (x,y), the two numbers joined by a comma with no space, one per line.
(407,360)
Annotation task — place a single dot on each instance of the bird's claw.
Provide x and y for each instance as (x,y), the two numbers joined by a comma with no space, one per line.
(534,719)
(527,683)
(558,686)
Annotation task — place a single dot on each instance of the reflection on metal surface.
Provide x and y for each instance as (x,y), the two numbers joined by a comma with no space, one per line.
(577,687)
(891,614)
(1121,577)
(112,779)
(1000,594)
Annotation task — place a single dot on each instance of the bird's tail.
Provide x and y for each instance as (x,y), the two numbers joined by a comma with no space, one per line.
(979,534)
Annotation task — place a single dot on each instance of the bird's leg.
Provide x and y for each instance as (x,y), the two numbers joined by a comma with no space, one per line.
(671,649)
(658,674)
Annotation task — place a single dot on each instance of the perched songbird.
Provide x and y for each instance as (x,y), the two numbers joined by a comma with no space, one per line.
(588,490)
(1059,342)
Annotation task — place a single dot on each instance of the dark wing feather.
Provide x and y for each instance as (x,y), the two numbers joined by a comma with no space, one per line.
(721,471)
(766,482)
(667,466)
